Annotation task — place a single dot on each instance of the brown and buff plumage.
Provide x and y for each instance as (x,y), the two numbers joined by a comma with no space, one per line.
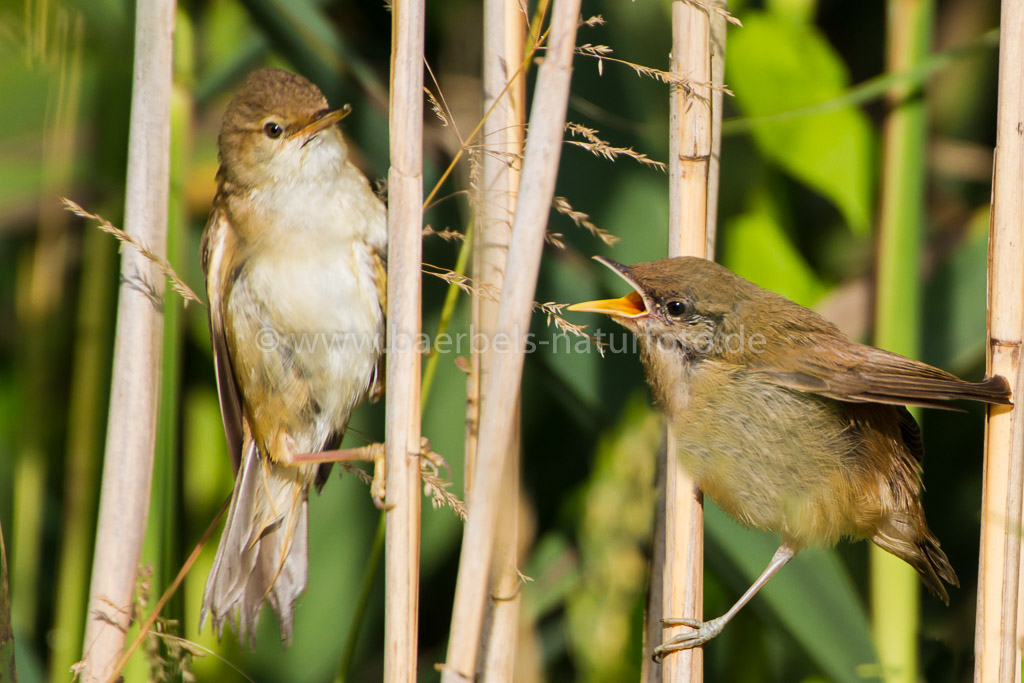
(293,255)
(784,422)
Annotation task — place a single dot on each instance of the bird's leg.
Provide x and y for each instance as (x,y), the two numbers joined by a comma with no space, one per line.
(374,453)
(703,631)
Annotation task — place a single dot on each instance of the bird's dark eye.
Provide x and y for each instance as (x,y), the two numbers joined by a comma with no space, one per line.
(272,129)
(675,308)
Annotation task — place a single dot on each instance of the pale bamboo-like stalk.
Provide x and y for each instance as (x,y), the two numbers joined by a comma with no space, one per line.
(719,26)
(131,427)
(402,427)
(503,132)
(498,416)
(995,635)
(690,147)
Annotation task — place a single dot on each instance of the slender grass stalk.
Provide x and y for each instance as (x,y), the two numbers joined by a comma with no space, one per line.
(451,298)
(895,588)
(498,415)
(719,24)
(131,429)
(996,639)
(363,599)
(402,426)
(146,626)
(504,40)
(690,152)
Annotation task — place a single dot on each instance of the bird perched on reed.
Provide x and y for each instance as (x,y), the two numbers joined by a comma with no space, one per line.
(294,260)
(784,422)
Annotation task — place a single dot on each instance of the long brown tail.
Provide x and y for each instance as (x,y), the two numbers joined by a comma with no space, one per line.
(924,555)
(262,552)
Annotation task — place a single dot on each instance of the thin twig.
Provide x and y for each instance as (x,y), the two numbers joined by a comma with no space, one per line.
(582,219)
(602,53)
(147,625)
(177,284)
(598,147)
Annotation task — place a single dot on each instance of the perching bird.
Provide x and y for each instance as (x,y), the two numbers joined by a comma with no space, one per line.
(784,422)
(294,260)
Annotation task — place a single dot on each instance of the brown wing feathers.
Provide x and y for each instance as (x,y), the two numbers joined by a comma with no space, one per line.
(874,375)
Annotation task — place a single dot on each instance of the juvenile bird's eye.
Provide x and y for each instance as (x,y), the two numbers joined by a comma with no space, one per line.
(272,129)
(675,308)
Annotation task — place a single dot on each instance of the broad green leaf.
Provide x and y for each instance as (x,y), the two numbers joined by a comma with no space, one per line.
(794,10)
(752,236)
(776,65)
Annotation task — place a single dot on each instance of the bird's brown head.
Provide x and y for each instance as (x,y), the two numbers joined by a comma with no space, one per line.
(279,126)
(685,305)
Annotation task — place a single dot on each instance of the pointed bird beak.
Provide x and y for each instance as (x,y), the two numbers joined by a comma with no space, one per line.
(633,305)
(324,122)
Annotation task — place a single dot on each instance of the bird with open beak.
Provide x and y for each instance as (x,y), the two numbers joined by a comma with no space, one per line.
(294,260)
(784,422)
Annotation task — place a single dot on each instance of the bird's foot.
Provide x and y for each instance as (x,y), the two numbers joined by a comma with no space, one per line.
(702,632)
(378,490)
(373,452)
(430,461)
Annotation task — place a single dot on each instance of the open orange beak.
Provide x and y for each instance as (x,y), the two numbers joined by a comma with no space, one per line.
(324,122)
(632,305)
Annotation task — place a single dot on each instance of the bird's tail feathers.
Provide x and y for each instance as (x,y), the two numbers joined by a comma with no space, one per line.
(923,554)
(262,552)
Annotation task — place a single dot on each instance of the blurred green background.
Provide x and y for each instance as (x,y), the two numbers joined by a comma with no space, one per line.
(801,178)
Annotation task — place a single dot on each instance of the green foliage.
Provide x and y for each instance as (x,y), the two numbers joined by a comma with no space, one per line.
(798,196)
(614,531)
(755,233)
(775,65)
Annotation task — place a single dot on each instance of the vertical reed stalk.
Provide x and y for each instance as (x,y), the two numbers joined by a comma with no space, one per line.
(498,415)
(161,547)
(895,588)
(6,629)
(402,427)
(690,151)
(504,38)
(131,428)
(719,24)
(995,636)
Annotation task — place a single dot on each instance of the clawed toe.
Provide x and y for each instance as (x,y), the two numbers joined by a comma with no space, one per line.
(430,460)
(702,632)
